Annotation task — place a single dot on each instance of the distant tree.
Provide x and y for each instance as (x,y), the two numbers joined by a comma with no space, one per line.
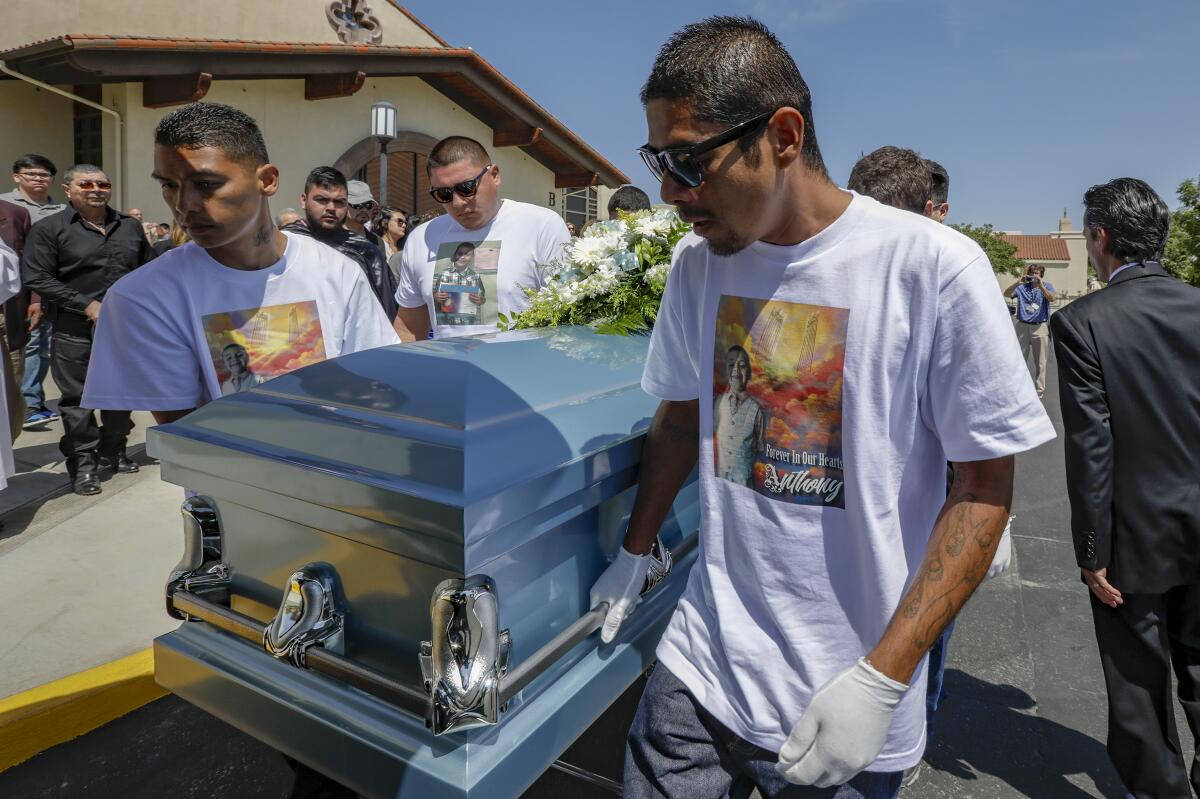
(1001,253)
(1181,256)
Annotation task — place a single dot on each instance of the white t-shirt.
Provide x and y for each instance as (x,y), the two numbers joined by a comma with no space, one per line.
(878,349)
(478,273)
(184,330)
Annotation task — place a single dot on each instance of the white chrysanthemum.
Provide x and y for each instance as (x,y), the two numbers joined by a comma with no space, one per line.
(656,225)
(588,251)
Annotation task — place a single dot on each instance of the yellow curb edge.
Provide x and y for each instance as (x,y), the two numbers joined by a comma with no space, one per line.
(35,720)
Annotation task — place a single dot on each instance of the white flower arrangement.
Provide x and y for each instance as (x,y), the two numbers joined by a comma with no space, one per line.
(611,277)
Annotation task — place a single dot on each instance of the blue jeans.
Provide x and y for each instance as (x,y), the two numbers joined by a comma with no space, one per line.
(937,667)
(37,365)
(677,749)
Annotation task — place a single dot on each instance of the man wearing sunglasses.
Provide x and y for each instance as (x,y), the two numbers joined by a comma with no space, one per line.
(511,242)
(71,259)
(881,350)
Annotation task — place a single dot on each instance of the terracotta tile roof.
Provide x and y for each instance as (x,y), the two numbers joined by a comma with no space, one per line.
(1039,248)
(460,72)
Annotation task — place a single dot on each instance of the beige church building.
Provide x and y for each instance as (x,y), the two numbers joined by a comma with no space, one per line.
(1063,253)
(87,81)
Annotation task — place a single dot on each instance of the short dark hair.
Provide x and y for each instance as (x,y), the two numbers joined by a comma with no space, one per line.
(629,199)
(326,177)
(729,70)
(34,161)
(940,182)
(82,169)
(894,176)
(453,149)
(164,226)
(1135,217)
(223,127)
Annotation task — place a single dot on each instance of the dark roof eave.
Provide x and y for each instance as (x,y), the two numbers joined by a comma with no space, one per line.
(95,59)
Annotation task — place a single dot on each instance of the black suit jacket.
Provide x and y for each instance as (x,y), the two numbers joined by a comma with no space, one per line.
(1129,384)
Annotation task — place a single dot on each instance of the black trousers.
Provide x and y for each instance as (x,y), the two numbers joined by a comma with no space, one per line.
(83,440)
(1141,641)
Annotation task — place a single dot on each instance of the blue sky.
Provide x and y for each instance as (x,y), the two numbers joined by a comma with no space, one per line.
(1025,103)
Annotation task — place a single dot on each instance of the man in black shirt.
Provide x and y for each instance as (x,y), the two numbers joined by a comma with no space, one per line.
(71,259)
(325,207)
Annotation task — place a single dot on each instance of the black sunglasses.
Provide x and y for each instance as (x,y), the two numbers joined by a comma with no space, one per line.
(466,189)
(682,163)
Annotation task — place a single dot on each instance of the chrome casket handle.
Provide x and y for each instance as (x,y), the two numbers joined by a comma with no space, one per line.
(308,614)
(466,658)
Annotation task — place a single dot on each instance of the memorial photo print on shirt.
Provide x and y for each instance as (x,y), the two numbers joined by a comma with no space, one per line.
(253,345)
(464,282)
(777,399)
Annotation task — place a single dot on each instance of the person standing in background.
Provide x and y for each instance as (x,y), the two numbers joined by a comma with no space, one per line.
(14,321)
(1129,373)
(325,207)
(362,210)
(33,175)
(509,244)
(72,259)
(629,199)
(10,284)
(1034,295)
(393,228)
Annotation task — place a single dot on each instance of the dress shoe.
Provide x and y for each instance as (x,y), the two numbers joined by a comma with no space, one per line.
(120,463)
(86,481)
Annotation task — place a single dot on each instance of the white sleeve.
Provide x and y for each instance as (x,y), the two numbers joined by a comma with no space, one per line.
(672,370)
(141,360)
(979,397)
(408,282)
(10,273)
(366,326)
(552,238)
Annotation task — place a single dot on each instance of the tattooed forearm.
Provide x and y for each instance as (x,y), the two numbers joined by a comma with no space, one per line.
(960,550)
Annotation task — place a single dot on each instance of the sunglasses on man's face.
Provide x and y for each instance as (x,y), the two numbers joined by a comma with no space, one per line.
(88,185)
(466,189)
(683,163)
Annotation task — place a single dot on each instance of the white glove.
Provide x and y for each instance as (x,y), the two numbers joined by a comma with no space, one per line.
(843,729)
(621,587)
(1003,556)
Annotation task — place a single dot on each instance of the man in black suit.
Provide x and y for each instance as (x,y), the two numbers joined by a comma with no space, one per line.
(1129,372)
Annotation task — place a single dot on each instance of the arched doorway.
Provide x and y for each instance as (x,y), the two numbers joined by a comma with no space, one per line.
(408,184)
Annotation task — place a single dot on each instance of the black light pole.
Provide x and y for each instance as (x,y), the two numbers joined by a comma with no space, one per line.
(383,127)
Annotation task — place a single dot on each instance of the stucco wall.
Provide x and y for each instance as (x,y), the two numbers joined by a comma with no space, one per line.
(302,134)
(34,121)
(1069,280)
(28,21)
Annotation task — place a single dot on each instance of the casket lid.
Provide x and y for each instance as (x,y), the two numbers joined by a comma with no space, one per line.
(453,420)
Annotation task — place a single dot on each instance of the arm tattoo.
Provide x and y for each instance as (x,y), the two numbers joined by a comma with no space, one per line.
(953,569)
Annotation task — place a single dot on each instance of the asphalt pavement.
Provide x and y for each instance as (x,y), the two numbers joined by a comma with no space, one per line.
(1024,714)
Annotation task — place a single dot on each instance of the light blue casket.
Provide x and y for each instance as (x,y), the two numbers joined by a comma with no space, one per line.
(388,558)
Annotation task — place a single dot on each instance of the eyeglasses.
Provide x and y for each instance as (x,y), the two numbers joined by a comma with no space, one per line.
(369,205)
(682,163)
(466,189)
(88,185)
(35,175)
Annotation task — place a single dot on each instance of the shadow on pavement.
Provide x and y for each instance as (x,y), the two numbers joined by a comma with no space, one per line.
(984,728)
